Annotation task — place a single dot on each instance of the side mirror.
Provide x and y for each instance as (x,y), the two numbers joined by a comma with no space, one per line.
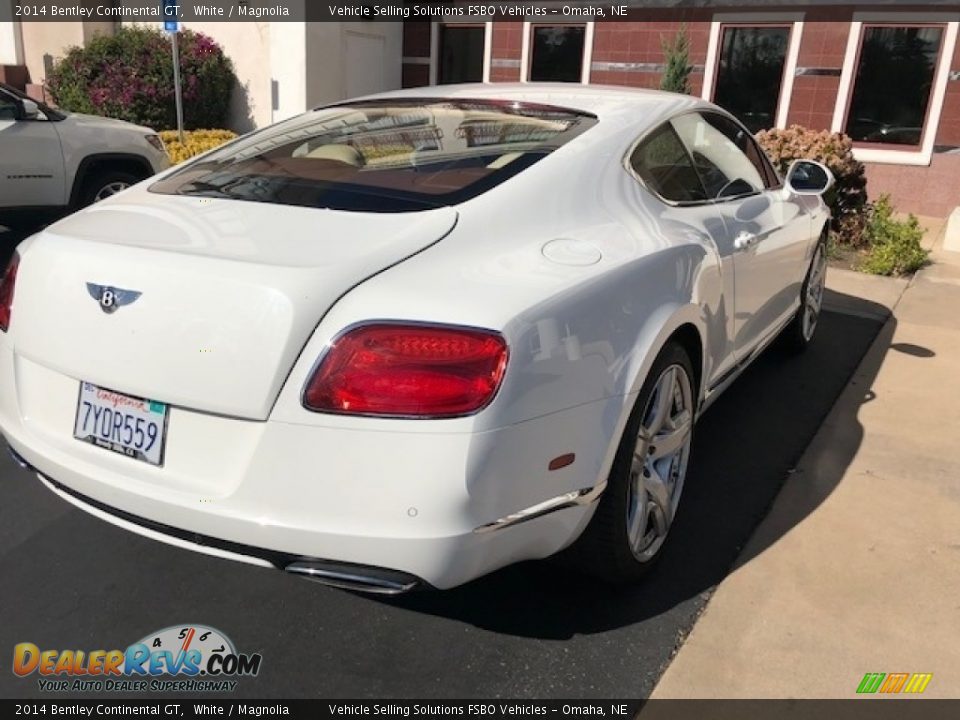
(808,177)
(29,110)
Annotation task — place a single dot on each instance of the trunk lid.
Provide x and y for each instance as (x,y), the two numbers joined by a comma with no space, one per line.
(230,292)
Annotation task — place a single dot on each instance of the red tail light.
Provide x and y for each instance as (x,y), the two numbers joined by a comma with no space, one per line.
(408,371)
(6,291)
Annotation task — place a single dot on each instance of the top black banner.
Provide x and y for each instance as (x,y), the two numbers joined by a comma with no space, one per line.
(187,11)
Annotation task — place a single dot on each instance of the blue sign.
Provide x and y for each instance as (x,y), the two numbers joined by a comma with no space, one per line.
(170,10)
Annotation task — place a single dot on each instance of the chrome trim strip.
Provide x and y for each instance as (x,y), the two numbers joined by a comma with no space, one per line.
(817,72)
(650,67)
(726,380)
(19,459)
(350,581)
(575,498)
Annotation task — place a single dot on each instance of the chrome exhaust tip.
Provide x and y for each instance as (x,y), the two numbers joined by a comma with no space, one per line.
(360,578)
(19,459)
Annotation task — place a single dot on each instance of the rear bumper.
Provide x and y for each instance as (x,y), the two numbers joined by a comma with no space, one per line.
(393,509)
(352,577)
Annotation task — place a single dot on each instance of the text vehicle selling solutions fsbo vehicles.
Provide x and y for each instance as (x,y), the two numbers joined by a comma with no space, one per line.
(409,339)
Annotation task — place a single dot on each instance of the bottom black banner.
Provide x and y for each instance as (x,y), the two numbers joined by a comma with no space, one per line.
(867,709)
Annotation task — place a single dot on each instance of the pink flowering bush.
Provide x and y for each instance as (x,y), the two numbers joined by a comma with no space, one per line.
(848,199)
(129,75)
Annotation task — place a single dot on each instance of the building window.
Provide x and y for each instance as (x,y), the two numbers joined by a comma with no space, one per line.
(557,53)
(750,72)
(894,76)
(461,49)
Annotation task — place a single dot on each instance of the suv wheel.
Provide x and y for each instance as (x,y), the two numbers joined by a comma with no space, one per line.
(103,184)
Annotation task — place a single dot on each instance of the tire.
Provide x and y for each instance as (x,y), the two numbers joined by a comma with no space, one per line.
(105,183)
(607,549)
(798,335)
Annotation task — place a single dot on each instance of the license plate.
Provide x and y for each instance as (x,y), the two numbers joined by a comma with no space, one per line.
(128,425)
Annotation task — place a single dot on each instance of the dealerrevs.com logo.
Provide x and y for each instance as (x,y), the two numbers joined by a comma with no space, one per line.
(186,658)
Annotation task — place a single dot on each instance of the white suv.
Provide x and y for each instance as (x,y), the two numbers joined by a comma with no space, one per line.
(53,162)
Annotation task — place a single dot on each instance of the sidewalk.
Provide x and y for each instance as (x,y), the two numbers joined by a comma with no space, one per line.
(869,579)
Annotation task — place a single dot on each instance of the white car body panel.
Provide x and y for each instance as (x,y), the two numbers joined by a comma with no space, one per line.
(33,171)
(586,282)
(226,286)
(42,158)
(83,136)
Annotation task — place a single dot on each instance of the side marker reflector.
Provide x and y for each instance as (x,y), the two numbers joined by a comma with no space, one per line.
(561,461)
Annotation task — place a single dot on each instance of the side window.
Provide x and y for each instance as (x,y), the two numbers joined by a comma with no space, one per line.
(719,148)
(769,172)
(746,142)
(760,160)
(8,108)
(663,164)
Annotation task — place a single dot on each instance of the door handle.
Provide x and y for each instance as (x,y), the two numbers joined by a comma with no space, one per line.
(745,240)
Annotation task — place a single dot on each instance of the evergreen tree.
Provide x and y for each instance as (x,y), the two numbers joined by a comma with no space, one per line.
(676,74)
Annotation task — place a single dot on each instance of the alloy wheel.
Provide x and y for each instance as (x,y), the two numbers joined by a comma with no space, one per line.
(814,298)
(659,463)
(110,189)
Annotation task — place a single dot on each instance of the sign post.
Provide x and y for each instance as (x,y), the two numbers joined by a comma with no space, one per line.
(170,9)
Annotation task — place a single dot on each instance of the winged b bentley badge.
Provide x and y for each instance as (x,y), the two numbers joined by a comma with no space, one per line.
(111,298)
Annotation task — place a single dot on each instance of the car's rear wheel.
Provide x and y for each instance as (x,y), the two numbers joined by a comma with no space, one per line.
(105,184)
(632,522)
(798,335)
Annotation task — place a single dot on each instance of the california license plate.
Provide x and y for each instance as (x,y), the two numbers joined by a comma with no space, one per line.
(128,425)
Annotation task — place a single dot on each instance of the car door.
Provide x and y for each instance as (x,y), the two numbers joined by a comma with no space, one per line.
(664,166)
(766,233)
(31,161)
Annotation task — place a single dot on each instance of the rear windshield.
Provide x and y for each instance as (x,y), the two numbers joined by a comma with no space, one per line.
(383,156)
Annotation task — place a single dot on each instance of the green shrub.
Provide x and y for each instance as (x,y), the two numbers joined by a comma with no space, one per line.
(194,142)
(676,52)
(894,244)
(129,75)
(848,198)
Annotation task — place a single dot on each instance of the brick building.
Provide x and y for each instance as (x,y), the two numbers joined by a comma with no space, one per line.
(889,75)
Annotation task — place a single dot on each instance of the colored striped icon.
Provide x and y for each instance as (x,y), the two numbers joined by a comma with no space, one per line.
(889,683)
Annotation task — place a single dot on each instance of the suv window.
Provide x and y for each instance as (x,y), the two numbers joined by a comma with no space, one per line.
(719,148)
(8,108)
(663,164)
(11,94)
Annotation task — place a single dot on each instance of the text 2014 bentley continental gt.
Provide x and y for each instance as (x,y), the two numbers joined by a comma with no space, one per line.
(406,340)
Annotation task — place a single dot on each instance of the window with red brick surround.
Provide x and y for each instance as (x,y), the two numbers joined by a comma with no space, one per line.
(894,74)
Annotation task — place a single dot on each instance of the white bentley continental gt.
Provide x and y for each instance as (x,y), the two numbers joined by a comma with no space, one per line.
(407,340)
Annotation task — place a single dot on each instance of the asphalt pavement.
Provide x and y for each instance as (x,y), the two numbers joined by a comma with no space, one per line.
(535,630)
